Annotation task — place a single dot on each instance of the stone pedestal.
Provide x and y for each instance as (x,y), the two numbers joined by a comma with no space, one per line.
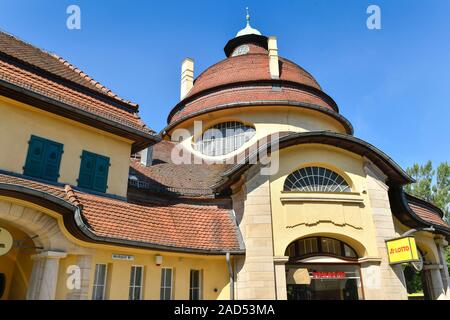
(84,262)
(280,277)
(441,244)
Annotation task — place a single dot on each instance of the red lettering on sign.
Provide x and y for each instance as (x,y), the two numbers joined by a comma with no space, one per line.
(328,275)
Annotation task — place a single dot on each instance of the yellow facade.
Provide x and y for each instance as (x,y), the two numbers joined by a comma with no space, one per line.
(346,217)
(266,120)
(20,121)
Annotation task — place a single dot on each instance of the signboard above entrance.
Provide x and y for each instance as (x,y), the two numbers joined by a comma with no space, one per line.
(402,250)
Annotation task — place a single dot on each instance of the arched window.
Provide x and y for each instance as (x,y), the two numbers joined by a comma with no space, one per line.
(224,138)
(316,179)
(320,246)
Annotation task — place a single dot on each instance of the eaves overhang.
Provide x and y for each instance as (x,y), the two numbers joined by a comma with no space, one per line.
(395,174)
(77,226)
(141,138)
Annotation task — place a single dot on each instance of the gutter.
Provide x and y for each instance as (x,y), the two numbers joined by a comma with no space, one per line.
(79,112)
(90,235)
(231,274)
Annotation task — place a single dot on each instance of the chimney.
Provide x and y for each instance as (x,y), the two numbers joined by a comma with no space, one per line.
(273,58)
(147,156)
(187,77)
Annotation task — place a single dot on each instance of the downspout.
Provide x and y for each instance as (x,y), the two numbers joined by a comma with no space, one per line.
(230,271)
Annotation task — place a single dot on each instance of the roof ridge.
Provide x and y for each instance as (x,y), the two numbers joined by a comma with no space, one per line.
(71,196)
(91,80)
(102,89)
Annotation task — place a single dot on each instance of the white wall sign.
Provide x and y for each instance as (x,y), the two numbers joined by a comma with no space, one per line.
(122,257)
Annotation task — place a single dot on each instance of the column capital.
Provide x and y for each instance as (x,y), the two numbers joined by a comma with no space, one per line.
(49,255)
(434,266)
(280,259)
(441,241)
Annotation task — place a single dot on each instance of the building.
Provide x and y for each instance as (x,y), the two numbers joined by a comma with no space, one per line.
(95,205)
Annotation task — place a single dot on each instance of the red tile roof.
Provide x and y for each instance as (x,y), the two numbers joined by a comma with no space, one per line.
(181,226)
(37,71)
(184,179)
(27,53)
(246,79)
(253,95)
(426,211)
(250,67)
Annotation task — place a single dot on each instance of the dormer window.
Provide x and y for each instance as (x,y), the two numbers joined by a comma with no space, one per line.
(224,138)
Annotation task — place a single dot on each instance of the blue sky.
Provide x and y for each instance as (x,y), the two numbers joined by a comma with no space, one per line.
(392,84)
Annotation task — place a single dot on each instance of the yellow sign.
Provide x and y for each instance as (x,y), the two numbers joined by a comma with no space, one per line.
(402,250)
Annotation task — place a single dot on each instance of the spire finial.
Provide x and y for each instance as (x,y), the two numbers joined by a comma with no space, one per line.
(247,17)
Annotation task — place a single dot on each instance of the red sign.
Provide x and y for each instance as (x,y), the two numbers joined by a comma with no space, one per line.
(328,275)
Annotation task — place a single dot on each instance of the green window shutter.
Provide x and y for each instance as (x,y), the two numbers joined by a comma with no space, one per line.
(87,168)
(35,157)
(93,172)
(101,173)
(43,158)
(52,160)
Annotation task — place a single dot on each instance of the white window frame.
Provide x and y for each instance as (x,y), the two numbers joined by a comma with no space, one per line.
(134,285)
(200,284)
(165,286)
(224,138)
(96,285)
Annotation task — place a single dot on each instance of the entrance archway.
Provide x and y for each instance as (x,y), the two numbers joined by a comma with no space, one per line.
(322,268)
(16,265)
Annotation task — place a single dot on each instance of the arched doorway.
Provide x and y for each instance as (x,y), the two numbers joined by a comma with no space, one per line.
(419,283)
(322,268)
(15,264)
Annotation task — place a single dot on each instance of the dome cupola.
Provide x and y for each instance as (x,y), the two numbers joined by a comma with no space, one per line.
(252,74)
(248,29)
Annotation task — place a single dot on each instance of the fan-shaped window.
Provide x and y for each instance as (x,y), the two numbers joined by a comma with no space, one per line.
(316,179)
(320,246)
(224,138)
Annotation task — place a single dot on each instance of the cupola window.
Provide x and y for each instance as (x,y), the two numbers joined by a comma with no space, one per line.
(224,138)
(315,179)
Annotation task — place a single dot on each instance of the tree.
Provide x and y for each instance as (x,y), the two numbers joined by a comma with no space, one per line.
(431,185)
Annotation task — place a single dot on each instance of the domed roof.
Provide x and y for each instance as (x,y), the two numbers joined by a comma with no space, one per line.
(253,66)
(244,79)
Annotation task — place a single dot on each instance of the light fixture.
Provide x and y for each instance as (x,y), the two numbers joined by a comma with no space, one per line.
(158,260)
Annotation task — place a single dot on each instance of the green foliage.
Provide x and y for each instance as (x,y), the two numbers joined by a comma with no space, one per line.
(448,259)
(413,280)
(431,185)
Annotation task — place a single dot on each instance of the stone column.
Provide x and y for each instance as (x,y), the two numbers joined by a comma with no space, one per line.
(280,277)
(392,279)
(371,279)
(255,271)
(84,262)
(441,244)
(44,275)
(437,288)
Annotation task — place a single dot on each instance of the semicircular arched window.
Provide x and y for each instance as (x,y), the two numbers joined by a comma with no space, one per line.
(316,179)
(224,138)
(316,246)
